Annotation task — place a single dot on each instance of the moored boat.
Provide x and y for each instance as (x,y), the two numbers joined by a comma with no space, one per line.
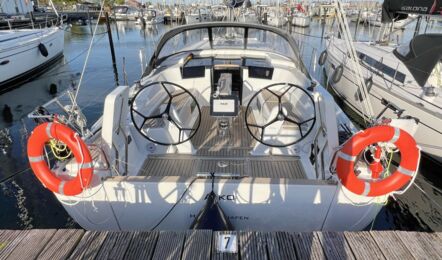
(26,53)
(225,113)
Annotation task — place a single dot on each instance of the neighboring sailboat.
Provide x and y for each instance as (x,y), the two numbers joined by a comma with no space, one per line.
(26,53)
(404,80)
(300,17)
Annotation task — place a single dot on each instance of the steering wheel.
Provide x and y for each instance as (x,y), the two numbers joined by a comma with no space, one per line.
(280,115)
(158,105)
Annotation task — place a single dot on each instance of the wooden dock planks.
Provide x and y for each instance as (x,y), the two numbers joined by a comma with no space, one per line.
(201,244)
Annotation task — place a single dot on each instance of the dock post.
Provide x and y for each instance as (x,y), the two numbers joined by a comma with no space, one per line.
(111,43)
(89,20)
(357,24)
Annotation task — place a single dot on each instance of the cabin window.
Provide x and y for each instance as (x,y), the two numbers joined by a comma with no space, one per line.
(382,68)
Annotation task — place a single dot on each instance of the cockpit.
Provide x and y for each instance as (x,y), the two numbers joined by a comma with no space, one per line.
(226,87)
(203,100)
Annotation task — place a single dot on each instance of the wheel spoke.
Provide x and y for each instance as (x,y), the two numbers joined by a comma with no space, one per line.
(188,129)
(273,93)
(255,125)
(168,93)
(286,118)
(155,116)
(179,94)
(271,122)
(306,121)
(177,126)
(136,111)
(285,91)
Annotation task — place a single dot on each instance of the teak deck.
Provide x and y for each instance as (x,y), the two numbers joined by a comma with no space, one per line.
(79,244)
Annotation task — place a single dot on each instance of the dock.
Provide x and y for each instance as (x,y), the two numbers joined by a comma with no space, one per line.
(206,244)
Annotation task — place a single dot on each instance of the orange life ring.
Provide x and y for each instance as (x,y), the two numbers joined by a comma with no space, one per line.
(39,137)
(348,154)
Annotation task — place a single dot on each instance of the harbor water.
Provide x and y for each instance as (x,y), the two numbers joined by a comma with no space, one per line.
(25,203)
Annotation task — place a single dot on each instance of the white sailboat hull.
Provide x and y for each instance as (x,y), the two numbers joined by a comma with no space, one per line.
(139,203)
(301,21)
(276,21)
(190,19)
(155,20)
(20,55)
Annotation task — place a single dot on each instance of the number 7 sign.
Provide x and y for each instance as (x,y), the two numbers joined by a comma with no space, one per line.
(227,243)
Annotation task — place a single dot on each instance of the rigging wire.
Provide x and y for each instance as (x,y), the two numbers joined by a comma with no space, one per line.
(14,175)
(87,58)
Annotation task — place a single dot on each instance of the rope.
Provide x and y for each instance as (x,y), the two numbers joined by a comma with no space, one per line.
(58,148)
(174,205)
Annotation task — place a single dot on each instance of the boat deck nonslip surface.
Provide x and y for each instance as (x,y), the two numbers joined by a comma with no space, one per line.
(226,153)
(237,141)
(251,166)
(203,244)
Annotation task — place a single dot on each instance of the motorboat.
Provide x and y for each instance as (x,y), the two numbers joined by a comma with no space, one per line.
(247,15)
(153,16)
(25,54)
(301,20)
(274,17)
(225,114)
(198,15)
(300,17)
(125,13)
(219,12)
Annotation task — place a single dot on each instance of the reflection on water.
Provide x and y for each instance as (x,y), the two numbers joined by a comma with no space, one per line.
(26,204)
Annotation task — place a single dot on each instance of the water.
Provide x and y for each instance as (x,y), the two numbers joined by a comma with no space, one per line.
(26,204)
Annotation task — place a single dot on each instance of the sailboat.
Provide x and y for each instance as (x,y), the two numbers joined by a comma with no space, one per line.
(26,53)
(275,17)
(153,16)
(198,15)
(405,80)
(301,18)
(225,113)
